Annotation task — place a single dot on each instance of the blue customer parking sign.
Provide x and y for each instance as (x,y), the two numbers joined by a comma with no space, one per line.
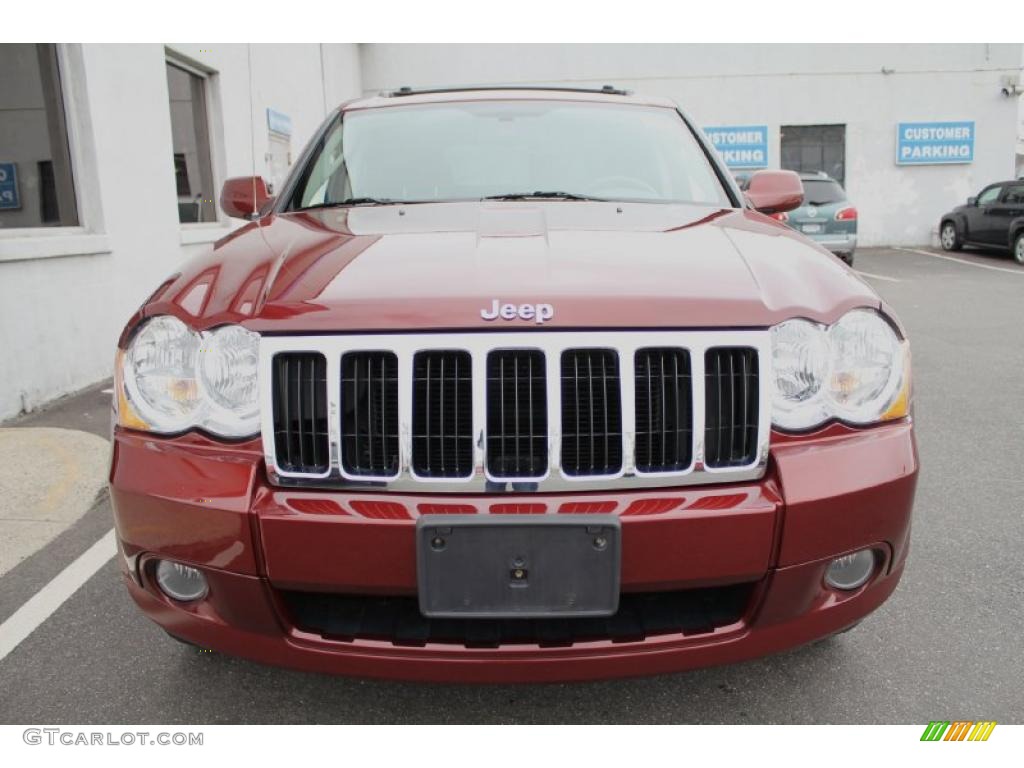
(935,143)
(9,198)
(741,146)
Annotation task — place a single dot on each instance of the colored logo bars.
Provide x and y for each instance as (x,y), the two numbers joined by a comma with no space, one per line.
(959,730)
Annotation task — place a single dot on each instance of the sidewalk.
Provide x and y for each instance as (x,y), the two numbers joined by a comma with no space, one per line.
(53,465)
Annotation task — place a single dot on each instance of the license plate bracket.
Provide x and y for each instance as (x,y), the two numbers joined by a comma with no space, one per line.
(495,567)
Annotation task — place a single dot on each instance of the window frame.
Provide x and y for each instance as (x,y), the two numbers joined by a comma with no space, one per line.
(204,231)
(88,237)
(1004,197)
(1001,187)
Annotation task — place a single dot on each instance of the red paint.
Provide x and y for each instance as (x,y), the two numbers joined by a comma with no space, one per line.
(588,508)
(241,619)
(775,191)
(518,509)
(433,267)
(243,196)
(823,496)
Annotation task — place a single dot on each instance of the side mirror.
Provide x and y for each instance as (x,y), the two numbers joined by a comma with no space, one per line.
(972,201)
(244,196)
(775,191)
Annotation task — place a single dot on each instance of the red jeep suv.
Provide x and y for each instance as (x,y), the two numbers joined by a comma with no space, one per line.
(511,385)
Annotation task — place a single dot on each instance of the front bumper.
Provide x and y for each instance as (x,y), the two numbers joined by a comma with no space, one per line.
(836,242)
(192,500)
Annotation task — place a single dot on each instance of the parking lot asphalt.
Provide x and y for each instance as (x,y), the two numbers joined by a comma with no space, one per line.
(948,644)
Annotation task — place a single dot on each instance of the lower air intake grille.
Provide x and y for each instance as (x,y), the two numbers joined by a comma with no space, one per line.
(369,413)
(398,619)
(442,414)
(664,415)
(731,398)
(300,412)
(591,412)
(517,414)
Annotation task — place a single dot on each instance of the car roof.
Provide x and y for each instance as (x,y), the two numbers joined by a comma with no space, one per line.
(408,96)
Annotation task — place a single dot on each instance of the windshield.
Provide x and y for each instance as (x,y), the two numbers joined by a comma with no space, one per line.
(822,192)
(475,150)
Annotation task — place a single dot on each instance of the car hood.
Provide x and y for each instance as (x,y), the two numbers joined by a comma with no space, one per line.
(436,266)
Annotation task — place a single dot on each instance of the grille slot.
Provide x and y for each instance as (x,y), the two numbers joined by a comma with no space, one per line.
(731,402)
(664,411)
(591,412)
(369,413)
(442,414)
(517,413)
(300,412)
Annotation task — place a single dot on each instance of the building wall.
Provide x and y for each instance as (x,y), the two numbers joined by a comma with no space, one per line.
(869,88)
(66,294)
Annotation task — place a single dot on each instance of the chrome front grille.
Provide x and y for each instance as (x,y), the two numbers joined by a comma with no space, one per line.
(535,411)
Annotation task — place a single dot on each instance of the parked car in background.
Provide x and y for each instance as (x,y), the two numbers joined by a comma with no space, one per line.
(993,219)
(826,216)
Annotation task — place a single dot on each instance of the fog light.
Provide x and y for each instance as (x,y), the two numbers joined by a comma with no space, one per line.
(180,582)
(850,571)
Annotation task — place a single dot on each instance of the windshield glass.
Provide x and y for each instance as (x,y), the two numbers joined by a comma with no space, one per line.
(473,150)
(822,192)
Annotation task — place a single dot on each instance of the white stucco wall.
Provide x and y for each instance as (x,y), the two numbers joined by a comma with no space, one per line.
(60,316)
(781,85)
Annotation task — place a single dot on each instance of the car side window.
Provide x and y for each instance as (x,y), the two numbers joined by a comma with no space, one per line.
(989,196)
(1015,194)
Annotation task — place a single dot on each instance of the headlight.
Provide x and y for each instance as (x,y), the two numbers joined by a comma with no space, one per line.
(227,372)
(800,358)
(857,371)
(172,379)
(160,374)
(867,367)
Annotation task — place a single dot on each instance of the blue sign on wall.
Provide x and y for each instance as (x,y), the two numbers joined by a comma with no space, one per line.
(278,122)
(741,146)
(935,143)
(9,198)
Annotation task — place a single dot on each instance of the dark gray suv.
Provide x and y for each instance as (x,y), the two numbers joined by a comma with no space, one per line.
(992,219)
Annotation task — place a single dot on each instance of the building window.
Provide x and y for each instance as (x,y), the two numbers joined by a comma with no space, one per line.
(190,132)
(813,148)
(36,184)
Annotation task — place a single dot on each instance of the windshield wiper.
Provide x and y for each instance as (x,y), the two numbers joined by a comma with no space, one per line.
(540,195)
(352,201)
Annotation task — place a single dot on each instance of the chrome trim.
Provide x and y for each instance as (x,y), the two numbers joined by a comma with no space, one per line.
(626,343)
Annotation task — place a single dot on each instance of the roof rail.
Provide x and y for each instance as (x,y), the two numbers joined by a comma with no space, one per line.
(406,90)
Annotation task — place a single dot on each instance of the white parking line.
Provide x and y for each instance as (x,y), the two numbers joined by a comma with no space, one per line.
(873,276)
(24,621)
(962,261)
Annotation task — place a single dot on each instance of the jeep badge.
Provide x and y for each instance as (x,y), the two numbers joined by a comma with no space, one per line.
(536,312)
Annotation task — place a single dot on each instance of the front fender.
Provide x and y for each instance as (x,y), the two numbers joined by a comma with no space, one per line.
(1016,227)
